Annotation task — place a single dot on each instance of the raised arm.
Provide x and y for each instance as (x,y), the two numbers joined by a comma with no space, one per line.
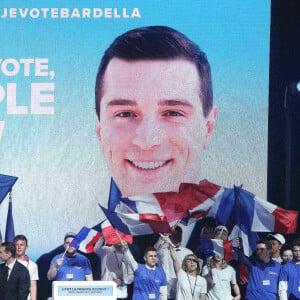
(129,259)
(242,258)
(173,255)
(100,248)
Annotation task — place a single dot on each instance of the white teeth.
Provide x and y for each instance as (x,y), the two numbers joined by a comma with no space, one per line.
(148,165)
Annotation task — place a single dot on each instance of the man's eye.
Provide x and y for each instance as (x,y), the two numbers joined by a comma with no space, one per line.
(172,113)
(126,114)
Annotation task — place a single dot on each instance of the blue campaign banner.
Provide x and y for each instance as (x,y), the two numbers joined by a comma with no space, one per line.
(154,130)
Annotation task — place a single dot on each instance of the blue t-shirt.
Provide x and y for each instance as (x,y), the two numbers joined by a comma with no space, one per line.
(263,280)
(290,272)
(72,268)
(148,281)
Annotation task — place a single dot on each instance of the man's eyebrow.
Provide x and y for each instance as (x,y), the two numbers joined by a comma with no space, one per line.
(165,102)
(121,102)
(175,102)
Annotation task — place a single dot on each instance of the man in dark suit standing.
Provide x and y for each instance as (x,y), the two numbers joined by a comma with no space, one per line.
(14,277)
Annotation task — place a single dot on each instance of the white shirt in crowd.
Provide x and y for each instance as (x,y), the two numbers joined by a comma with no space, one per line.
(113,266)
(222,279)
(278,259)
(166,263)
(190,287)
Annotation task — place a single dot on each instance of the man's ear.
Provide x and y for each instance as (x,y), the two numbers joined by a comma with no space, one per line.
(144,258)
(98,129)
(210,126)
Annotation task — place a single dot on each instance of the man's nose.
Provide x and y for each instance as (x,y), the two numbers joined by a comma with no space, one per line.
(148,133)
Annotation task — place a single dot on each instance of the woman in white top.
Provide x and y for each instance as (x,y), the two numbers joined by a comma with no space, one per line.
(220,276)
(190,285)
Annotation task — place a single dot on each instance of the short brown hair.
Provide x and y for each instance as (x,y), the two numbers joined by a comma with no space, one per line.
(157,43)
(9,248)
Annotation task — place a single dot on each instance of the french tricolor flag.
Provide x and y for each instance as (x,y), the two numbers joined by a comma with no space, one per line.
(167,204)
(223,201)
(262,216)
(113,236)
(212,200)
(211,247)
(251,215)
(137,224)
(193,201)
(248,237)
(85,240)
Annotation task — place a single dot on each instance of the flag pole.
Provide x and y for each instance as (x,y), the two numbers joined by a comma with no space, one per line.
(9,230)
(162,235)
(175,225)
(117,233)
(66,251)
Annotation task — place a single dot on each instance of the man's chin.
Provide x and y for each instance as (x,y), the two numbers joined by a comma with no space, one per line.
(133,185)
(71,253)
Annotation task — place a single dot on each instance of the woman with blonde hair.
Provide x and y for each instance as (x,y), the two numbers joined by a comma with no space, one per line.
(220,276)
(190,285)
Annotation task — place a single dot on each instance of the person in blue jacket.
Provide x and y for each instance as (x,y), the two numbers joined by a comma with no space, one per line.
(263,272)
(289,279)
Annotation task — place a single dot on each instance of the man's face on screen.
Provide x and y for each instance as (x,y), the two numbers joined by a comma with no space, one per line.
(152,130)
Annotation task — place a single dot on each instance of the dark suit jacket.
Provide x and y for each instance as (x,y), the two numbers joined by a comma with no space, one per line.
(18,284)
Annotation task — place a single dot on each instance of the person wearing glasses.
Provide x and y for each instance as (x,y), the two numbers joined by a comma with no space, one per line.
(166,261)
(263,272)
(190,285)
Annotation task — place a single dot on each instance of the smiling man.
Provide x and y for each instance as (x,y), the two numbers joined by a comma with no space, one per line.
(155,110)
(154,103)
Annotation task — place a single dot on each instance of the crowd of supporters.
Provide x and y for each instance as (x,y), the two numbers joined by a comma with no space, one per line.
(172,271)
